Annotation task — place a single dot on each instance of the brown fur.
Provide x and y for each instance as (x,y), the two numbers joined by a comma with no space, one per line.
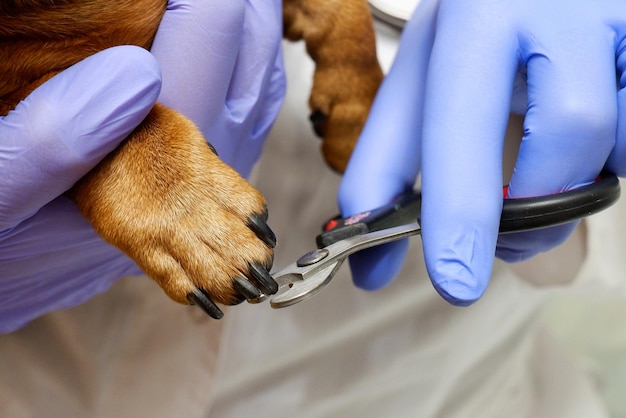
(339,37)
(163,197)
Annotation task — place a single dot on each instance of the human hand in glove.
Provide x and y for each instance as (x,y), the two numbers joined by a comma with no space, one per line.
(50,256)
(462,66)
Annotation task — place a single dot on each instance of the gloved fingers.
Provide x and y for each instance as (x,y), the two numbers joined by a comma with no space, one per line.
(246,139)
(271,101)
(617,159)
(374,268)
(616,162)
(256,87)
(196,45)
(465,117)
(524,245)
(68,124)
(386,159)
(52,261)
(570,124)
(569,130)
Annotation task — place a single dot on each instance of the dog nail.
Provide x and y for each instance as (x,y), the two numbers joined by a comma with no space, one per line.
(212,148)
(318,120)
(260,228)
(246,288)
(237,300)
(269,263)
(198,297)
(266,282)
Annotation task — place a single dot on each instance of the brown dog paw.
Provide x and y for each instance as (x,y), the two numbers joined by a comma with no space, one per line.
(186,218)
(340,38)
(340,102)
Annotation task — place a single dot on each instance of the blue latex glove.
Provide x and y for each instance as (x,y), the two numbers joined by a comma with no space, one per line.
(50,257)
(223,67)
(444,107)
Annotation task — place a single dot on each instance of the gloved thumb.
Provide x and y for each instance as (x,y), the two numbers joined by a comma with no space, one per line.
(70,123)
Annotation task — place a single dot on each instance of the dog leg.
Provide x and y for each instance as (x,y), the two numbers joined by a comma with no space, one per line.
(340,38)
(186,218)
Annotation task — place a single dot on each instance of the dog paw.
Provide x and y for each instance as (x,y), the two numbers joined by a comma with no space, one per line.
(187,219)
(340,39)
(340,102)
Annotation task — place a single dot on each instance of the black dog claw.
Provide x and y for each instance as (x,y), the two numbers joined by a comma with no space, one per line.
(246,288)
(318,120)
(265,281)
(259,226)
(213,149)
(198,297)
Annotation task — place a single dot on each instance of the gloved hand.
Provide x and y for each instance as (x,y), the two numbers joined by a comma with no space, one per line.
(444,106)
(222,67)
(50,257)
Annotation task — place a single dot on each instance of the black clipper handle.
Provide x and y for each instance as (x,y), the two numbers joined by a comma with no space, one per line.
(521,214)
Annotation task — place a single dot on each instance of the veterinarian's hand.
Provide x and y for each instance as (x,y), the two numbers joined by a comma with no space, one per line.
(50,257)
(446,102)
(222,67)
